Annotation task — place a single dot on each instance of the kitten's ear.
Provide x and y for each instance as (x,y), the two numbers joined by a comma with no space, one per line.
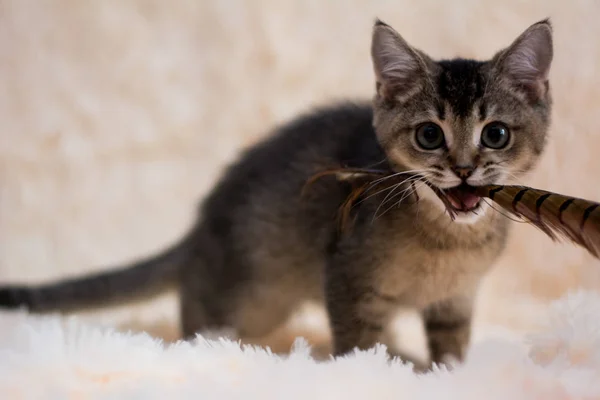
(397,65)
(527,60)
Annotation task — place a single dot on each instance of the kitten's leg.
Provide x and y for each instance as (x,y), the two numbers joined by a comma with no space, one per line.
(251,313)
(355,320)
(196,317)
(359,316)
(360,319)
(354,323)
(448,329)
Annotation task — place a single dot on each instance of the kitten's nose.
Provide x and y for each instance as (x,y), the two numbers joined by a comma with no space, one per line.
(463,171)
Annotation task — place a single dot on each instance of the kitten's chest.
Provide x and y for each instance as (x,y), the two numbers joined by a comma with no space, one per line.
(421,275)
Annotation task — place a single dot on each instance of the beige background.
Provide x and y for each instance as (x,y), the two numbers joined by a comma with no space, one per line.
(117,116)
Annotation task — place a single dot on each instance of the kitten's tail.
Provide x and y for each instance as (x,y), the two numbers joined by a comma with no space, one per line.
(133,282)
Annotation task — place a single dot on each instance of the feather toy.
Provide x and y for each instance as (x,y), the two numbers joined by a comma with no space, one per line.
(557,215)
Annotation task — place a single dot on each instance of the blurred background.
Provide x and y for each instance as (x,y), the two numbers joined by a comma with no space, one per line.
(116,117)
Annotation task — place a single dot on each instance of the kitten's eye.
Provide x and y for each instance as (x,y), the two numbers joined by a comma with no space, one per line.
(430,136)
(495,135)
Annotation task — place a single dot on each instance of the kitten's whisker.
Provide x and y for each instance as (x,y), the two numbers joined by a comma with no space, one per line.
(384,200)
(512,218)
(418,207)
(387,188)
(415,192)
(407,192)
(357,193)
(499,170)
(384,159)
(414,189)
(512,175)
(412,172)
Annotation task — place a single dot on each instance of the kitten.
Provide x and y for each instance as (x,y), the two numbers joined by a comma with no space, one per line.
(259,248)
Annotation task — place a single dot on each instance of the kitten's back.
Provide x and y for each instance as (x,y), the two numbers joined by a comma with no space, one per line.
(254,219)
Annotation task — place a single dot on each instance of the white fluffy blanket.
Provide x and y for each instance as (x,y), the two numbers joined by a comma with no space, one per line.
(55,358)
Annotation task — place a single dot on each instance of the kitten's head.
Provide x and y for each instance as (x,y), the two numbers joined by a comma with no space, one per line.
(463,122)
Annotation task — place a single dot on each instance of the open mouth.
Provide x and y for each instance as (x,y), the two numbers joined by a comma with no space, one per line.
(459,199)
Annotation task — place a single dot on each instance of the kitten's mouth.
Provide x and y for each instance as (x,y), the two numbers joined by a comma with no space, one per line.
(462,198)
(459,199)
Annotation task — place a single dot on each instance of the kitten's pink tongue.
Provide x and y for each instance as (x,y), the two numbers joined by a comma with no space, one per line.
(462,200)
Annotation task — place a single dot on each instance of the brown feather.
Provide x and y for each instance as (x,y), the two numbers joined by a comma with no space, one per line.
(363,180)
(558,216)
(343,173)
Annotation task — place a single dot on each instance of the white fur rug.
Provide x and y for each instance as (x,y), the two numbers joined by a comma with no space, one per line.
(55,358)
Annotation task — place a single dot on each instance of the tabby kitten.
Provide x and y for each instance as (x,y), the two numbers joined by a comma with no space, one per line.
(259,249)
